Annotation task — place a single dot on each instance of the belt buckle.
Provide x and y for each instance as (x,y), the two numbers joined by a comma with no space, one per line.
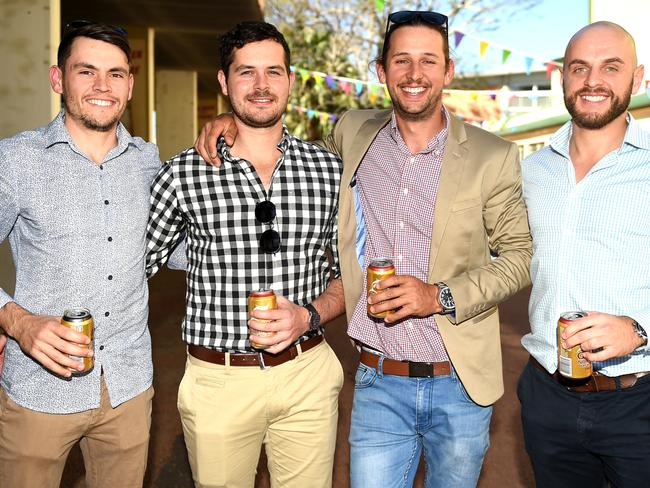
(420,370)
(260,359)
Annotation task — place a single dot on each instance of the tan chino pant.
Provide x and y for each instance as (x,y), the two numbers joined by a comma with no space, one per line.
(34,446)
(228,412)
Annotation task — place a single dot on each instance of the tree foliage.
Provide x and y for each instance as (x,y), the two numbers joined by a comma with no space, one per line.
(343,37)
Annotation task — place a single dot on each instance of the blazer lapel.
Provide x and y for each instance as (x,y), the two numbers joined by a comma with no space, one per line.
(361,142)
(453,163)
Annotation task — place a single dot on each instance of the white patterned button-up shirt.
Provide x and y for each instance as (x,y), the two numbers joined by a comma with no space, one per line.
(77,233)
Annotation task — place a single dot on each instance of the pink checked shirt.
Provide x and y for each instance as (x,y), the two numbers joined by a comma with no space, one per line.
(398,197)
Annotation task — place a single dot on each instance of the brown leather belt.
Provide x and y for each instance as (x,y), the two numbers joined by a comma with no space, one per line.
(261,359)
(406,368)
(594,383)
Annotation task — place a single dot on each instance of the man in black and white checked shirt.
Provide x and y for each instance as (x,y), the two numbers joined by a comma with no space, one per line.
(264,219)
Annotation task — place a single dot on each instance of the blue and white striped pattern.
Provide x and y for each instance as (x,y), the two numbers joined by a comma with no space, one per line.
(591,241)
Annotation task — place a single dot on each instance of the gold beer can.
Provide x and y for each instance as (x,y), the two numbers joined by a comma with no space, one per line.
(260,300)
(379,269)
(571,362)
(80,320)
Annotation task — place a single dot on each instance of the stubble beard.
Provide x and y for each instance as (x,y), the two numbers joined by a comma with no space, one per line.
(262,120)
(88,121)
(427,111)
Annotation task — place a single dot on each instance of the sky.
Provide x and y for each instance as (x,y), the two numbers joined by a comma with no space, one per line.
(541,32)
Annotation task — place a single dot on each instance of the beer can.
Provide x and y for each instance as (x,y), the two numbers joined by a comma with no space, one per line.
(571,362)
(260,300)
(379,269)
(80,320)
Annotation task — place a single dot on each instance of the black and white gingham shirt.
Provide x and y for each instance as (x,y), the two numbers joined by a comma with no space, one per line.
(215,209)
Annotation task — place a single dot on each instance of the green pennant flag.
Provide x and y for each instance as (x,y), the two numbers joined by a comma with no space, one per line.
(504,57)
(379,5)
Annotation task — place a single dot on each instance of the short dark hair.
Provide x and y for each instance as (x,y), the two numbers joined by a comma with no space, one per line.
(415,22)
(245,33)
(93,30)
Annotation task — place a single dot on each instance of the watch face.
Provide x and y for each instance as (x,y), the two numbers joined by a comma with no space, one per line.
(446,300)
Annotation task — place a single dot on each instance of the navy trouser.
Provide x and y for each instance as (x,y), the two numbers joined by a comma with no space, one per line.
(583,440)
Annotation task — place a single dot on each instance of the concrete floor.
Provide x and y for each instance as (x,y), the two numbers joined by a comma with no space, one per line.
(506,463)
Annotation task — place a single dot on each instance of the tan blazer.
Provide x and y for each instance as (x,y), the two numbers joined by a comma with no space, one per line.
(479,211)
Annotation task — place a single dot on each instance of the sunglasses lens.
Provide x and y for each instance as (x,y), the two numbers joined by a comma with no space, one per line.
(270,241)
(265,212)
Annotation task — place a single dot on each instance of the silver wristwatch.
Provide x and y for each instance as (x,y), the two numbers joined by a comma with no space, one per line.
(640,331)
(445,299)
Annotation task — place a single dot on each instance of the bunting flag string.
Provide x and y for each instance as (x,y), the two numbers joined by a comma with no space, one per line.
(345,84)
(484,45)
(322,116)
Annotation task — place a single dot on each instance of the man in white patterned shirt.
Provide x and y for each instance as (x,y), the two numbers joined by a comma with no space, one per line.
(74,207)
(264,219)
(587,197)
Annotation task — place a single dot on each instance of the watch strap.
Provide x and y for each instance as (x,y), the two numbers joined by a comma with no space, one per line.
(314,317)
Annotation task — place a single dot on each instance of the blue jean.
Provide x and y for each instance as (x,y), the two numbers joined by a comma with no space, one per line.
(395,417)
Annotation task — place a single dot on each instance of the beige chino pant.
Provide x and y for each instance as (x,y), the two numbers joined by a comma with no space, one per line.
(34,446)
(228,412)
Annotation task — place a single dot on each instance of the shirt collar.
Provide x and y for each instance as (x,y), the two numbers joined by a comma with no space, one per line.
(436,141)
(634,136)
(57,132)
(226,156)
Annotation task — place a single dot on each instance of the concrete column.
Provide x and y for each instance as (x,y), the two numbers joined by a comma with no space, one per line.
(29,37)
(176,111)
(138,117)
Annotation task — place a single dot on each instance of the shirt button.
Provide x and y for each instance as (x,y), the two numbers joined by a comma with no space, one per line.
(101,166)
(110,277)
(106,314)
(405,191)
(101,348)
(401,224)
(110,239)
(413,160)
(399,258)
(105,202)
(436,152)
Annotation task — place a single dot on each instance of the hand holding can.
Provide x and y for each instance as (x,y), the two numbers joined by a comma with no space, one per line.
(80,320)
(379,269)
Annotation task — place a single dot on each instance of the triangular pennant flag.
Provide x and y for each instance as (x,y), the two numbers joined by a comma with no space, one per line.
(346,87)
(379,5)
(372,97)
(529,65)
(319,79)
(311,113)
(304,74)
(386,94)
(483,45)
(323,117)
(330,82)
(359,87)
(333,117)
(458,36)
(549,69)
(504,57)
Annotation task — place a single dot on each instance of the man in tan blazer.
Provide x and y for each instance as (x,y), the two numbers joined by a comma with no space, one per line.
(443,200)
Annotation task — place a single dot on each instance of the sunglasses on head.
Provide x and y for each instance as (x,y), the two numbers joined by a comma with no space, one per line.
(78,24)
(270,238)
(408,16)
